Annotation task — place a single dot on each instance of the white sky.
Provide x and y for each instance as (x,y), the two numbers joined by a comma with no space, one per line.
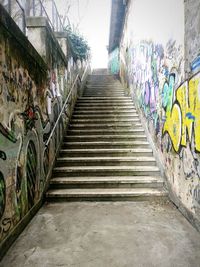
(93,19)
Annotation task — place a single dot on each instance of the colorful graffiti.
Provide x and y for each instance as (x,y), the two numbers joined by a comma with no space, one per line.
(148,65)
(195,65)
(163,77)
(114,62)
(182,112)
(171,109)
(32,93)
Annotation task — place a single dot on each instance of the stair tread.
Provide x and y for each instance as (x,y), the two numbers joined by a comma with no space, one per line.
(107,143)
(96,159)
(104,116)
(104,104)
(116,179)
(107,136)
(109,120)
(107,112)
(116,124)
(110,150)
(103,97)
(103,168)
(108,130)
(101,101)
(107,191)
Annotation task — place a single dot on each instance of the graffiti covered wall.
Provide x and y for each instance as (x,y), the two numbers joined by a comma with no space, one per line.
(32,93)
(152,65)
(113,62)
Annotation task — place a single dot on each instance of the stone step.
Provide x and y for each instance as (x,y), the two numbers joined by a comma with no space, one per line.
(105,126)
(106,144)
(117,194)
(92,94)
(103,93)
(92,152)
(106,171)
(105,109)
(104,87)
(103,121)
(101,103)
(106,112)
(102,98)
(105,104)
(104,116)
(106,92)
(138,131)
(107,182)
(106,161)
(120,137)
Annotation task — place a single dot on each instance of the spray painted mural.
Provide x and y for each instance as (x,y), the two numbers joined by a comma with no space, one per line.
(113,63)
(182,109)
(31,97)
(171,108)
(148,67)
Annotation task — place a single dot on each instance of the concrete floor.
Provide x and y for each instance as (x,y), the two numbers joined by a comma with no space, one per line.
(106,234)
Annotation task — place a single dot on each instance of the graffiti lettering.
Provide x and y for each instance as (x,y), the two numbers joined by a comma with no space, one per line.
(182,112)
(8,134)
(2,155)
(5,226)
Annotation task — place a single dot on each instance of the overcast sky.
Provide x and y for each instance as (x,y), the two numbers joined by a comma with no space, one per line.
(93,19)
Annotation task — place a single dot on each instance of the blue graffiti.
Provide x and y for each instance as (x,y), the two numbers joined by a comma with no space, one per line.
(190,116)
(195,64)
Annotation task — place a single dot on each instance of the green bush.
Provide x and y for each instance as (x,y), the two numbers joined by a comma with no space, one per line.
(79,47)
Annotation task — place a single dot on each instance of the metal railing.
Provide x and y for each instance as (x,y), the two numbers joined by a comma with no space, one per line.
(65,104)
(34,8)
(45,8)
(16,11)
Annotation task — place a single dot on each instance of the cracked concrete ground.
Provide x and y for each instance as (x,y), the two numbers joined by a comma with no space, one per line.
(106,234)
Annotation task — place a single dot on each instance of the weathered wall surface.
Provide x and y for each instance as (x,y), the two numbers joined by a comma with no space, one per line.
(113,61)
(32,92)
(192,35)
(152,65)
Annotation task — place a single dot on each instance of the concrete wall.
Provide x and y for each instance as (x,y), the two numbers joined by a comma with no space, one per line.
(33,88)
(192,36)
(154,64)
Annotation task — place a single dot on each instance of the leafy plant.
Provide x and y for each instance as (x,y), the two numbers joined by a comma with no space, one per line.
(79,46)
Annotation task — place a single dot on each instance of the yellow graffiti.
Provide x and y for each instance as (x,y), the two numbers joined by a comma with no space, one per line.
(173,126)
(183,121)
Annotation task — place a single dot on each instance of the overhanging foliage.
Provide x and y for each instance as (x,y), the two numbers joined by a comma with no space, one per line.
(79,46)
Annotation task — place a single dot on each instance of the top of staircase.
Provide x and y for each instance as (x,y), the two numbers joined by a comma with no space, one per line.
(100,71)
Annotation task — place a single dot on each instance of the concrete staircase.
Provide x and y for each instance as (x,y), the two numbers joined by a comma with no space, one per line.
(105,154)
